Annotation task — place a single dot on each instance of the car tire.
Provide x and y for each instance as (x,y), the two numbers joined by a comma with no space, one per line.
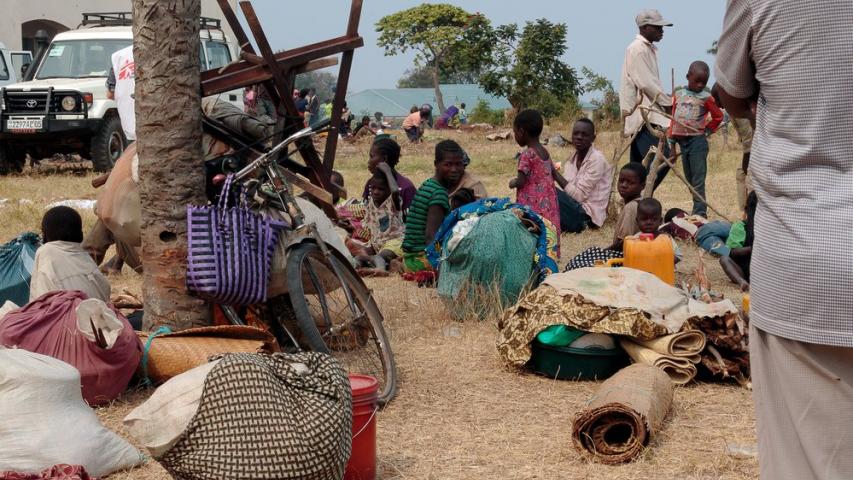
(108,144)
(11,160)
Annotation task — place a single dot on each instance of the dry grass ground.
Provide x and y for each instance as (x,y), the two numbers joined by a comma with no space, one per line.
(459,413)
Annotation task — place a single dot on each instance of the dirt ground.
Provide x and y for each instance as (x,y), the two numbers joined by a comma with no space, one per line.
(459,413)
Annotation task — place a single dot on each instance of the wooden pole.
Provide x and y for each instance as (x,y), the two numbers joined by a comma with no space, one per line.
(168,127)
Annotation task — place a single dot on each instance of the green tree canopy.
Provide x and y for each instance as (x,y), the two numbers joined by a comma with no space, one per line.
(323,82)
(444,37)
(527,68)
(713,49)
(421,77)
(607,106)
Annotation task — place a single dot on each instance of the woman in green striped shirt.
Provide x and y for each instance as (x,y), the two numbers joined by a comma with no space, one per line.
(431,205)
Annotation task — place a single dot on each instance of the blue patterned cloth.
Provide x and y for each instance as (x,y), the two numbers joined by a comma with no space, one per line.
(545,258)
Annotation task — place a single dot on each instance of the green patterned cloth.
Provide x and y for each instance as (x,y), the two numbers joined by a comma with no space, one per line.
(495,259)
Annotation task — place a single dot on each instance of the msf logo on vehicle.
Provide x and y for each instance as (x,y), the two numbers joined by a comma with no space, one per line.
(32,103)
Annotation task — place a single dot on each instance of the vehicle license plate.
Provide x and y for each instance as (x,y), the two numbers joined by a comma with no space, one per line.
(25,124)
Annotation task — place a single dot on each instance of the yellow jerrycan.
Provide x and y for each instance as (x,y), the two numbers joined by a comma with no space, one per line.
(649,254)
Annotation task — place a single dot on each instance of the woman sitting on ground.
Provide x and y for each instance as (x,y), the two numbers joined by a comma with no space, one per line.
(469,181)
(387,151)
(431,205)
(61,263)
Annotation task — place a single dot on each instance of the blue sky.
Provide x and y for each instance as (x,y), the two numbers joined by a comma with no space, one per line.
(598,31)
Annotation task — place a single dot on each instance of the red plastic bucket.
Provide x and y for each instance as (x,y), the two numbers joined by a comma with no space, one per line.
(362,460)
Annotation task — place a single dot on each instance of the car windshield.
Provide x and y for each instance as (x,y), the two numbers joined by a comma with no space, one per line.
(80,58)
(217,54)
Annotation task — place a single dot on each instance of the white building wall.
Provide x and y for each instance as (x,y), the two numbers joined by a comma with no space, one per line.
(13,13)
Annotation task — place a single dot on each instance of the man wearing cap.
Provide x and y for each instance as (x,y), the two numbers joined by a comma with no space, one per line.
(641,85)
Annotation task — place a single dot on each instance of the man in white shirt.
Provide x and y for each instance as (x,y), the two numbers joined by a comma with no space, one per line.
(640,88)
(121,84)
(61,263)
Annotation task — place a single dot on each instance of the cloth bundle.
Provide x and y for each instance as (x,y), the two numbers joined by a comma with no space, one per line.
(66,325)
(491,265)
(267,416)
(46,422)
(623,415)
(118,203)
(616,301)
(676,354)
(16,268)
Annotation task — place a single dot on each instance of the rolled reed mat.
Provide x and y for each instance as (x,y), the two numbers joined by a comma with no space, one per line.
(682,344)
(681,370)
(623,415)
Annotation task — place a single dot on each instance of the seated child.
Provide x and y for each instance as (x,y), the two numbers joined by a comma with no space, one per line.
(384,219)
(431,205)
(61,263)
(462,197)
(736,263)
(363,128)
(338,180)
(632,180)
(650,219)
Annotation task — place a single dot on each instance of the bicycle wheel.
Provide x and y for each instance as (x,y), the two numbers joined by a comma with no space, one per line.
(324,305)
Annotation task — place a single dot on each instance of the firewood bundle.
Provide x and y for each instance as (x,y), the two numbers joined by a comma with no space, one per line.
(726,352)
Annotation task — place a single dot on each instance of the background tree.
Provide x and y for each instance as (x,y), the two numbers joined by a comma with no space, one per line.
(444,36)
(168,127)
(713,49)
(324,82)
(421,77)
(527,68)
(607,106)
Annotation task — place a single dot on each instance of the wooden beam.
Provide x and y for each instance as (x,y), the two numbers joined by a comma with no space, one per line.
(283,81)
(243,74)
(239,33)
(279,75)
(308,187)
(315,65)
(341,90)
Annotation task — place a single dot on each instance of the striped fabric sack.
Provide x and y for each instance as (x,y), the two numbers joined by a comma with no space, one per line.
(230,250)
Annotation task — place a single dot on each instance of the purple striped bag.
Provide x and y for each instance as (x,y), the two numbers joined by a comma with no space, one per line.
(229,250)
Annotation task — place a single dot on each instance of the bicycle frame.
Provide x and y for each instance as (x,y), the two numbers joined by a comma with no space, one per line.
(284,193)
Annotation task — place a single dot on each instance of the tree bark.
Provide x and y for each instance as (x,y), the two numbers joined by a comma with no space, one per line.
(168,126)
(439,98)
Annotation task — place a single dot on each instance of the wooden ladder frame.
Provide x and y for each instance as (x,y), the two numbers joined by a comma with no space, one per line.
(277,71)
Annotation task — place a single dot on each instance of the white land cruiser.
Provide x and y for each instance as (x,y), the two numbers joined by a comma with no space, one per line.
(65,109)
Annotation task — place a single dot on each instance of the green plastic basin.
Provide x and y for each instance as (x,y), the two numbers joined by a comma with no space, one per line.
(567,363)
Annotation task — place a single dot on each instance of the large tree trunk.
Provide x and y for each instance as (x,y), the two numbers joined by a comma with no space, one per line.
(168,126)
(439,98)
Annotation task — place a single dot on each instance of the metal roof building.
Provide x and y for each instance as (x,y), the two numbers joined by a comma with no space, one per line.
(396,102)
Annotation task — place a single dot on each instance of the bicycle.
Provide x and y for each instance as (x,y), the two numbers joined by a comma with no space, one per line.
(334,310)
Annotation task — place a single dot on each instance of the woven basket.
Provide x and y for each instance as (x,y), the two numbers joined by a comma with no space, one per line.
(172,354)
